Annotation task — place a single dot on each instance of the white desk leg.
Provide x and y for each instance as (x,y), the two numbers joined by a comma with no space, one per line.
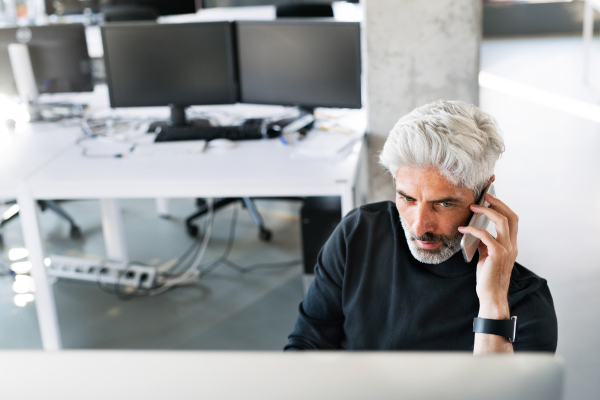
(588,27)
(347,195)
(44,296)
(114,234)
(361,188)
(162,207)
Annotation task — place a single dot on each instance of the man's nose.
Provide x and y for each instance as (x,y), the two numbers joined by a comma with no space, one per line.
(424,220)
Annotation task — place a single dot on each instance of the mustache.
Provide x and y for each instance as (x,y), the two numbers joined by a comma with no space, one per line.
(447,240)
(430,237)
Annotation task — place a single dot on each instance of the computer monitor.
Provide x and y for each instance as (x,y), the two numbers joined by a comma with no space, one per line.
(59,56)
(306,63)
(334,375)
(162,7)
(69,7)
(150,64)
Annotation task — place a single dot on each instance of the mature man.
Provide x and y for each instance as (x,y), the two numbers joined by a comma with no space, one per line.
(392,277)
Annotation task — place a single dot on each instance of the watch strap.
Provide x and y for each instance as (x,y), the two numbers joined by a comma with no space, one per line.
(500,327)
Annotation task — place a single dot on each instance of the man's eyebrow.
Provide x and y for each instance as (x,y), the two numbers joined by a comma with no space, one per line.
(401,193)
(447,200)
(444,200)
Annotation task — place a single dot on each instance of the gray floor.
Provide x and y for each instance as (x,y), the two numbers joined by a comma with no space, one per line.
(225,310)
(548,175)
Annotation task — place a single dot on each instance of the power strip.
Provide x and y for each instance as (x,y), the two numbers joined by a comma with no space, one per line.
(107,272)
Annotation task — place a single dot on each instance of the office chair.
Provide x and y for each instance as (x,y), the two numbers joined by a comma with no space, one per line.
(247,202)
(304,10)
(75,232)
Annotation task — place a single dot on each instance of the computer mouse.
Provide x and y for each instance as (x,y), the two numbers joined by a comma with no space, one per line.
(10,123)
(221,144)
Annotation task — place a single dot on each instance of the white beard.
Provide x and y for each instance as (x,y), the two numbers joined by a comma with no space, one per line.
(450,246)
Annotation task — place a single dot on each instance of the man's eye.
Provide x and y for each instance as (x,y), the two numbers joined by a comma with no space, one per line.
(446,205)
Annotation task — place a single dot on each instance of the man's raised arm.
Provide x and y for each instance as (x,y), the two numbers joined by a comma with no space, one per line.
(496,260)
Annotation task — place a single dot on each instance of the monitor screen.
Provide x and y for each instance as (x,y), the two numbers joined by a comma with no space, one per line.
(150,64)
(163,7)
(59,56)
(299,62)
(68,7)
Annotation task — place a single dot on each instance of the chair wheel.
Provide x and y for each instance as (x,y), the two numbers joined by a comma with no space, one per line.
(75,232)
(192,230)
(265,234)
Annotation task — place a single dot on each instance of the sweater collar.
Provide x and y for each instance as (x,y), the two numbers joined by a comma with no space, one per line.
(454,267)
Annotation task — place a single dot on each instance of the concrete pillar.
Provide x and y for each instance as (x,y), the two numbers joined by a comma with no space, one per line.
(416,51)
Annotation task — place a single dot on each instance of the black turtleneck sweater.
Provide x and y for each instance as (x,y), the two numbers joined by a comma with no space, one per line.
(370,293)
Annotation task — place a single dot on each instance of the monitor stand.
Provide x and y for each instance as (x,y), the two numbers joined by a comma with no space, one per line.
(303,123)
(303,112)
(177,119)
(24,78)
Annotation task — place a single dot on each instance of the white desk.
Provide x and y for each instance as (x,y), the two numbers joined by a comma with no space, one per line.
(253,168)
(28,147)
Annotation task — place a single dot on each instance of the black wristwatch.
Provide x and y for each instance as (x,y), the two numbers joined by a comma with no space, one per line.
(500,327)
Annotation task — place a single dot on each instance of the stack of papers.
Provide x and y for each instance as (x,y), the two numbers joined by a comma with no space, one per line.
(324,144)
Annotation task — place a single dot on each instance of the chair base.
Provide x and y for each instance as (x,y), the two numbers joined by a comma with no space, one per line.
(193,230)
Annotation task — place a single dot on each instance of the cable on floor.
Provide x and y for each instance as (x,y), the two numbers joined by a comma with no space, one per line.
(224,258)
(189,268)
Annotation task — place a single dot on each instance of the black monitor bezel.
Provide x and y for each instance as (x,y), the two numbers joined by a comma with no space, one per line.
(75,31)
(301,21)
(96,6)
(231,58)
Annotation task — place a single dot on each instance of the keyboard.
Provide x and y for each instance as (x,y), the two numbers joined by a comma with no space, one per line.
(168,149)
(249,130)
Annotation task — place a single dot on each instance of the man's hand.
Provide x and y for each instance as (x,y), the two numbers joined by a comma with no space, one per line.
(496,260)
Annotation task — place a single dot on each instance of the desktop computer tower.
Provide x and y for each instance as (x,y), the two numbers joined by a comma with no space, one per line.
(319,216)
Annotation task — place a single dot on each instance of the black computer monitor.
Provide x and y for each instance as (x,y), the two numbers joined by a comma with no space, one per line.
(150,64)
(69,7)
(162,7)
(305,63)
(59,56)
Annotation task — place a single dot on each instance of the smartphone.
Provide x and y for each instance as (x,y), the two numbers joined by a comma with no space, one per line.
(469,243)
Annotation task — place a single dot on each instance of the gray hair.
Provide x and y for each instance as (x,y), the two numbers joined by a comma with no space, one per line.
(457,138)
